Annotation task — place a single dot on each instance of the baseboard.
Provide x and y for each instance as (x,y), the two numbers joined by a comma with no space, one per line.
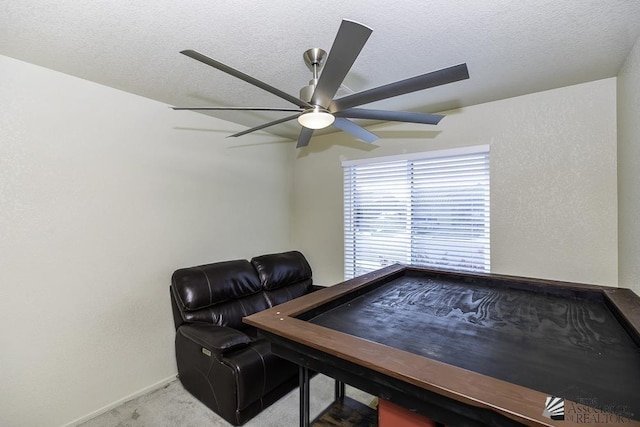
(119,402)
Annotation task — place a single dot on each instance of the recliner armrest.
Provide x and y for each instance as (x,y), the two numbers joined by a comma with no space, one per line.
(217,339)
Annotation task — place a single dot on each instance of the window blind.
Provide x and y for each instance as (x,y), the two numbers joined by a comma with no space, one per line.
(429,210)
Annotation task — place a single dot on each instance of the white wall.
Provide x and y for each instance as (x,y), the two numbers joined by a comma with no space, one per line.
(102,195)
(553,180)
(629,170)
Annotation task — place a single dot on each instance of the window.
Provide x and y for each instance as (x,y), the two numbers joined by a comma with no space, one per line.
(425,209)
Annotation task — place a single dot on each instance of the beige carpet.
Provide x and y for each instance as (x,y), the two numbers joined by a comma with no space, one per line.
(173,406)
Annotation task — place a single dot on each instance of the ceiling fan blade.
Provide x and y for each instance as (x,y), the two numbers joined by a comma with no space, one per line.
(237,109)
(355,130)
(394,116)
(266,125)
(413,84)
(305,137)
(346,47)
(242,76)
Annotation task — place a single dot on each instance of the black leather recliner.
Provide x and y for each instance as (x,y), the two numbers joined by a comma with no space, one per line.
(221,361)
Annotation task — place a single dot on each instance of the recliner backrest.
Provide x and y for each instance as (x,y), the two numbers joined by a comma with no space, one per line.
(221,293)
(224,292)
(284,276)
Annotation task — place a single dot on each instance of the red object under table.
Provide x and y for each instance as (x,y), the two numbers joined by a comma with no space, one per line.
(391,415)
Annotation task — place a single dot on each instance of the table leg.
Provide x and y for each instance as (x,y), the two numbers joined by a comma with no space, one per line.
(303,377)
(339,391)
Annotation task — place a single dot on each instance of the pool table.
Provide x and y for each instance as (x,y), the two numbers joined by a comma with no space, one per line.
(469,349)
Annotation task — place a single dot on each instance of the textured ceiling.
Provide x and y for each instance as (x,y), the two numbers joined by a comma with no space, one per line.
(511,47)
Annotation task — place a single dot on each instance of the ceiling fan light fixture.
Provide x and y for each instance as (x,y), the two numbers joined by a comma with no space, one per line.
(316,118)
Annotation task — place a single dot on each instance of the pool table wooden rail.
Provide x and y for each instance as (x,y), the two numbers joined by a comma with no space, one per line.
(512,401)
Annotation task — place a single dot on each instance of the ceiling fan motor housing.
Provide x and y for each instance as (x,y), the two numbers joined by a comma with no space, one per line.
(314,58)
(307,91)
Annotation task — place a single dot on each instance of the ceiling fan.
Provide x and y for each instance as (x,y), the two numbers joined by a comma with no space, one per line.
(316,106)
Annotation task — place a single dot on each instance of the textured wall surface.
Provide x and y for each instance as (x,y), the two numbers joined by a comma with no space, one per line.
(102,195)
(629,170)
(553,180)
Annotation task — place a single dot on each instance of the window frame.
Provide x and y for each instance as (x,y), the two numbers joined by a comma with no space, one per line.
(403,229)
